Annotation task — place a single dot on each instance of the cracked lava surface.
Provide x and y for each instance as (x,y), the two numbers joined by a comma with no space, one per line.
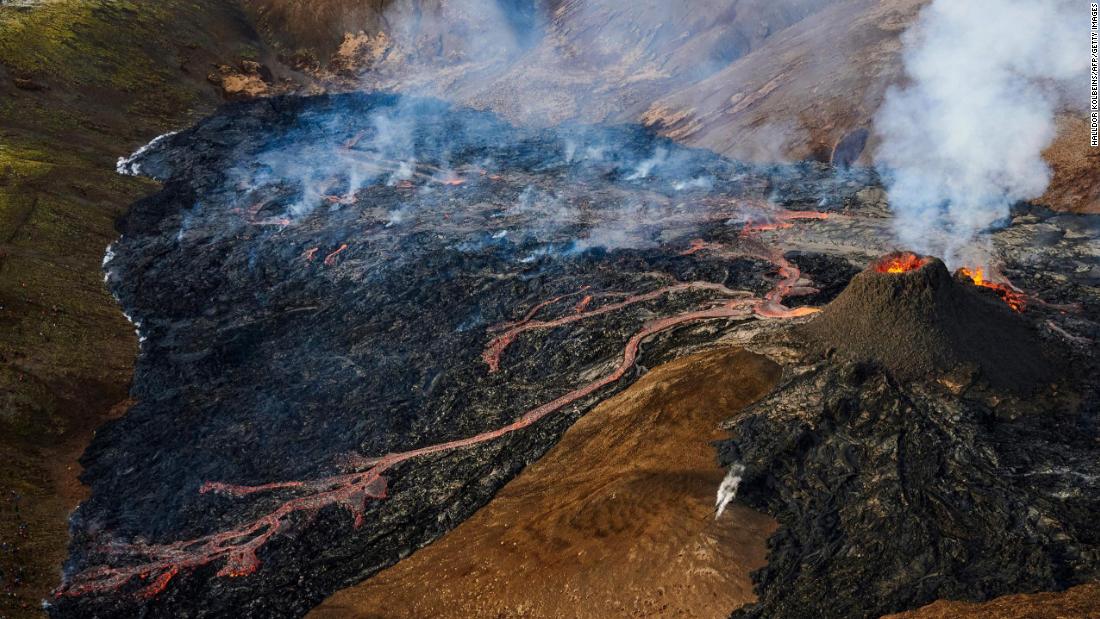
(362,315)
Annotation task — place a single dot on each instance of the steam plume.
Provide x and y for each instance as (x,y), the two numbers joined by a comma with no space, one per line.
(963,140)
(727,491)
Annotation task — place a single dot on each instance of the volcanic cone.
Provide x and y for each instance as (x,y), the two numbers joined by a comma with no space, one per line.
(907,313)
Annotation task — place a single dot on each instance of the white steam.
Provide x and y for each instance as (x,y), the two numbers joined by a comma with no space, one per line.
(131,166)
(963,140)
(727,490)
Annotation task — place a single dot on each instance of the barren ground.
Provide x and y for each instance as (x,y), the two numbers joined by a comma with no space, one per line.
(631,484)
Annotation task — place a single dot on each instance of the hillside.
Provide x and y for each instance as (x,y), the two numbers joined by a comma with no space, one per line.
(81,83)
(763,80)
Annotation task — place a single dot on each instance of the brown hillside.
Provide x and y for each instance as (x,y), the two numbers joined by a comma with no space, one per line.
(750,79)
(630,485)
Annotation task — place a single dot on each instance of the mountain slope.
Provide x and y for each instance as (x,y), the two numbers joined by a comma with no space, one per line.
(750,79)
(81,83)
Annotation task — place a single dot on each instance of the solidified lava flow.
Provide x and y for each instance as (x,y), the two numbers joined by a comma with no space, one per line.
(357,298)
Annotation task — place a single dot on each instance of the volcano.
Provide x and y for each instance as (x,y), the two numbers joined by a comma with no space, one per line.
(909,456)
(907,313)
(362,315)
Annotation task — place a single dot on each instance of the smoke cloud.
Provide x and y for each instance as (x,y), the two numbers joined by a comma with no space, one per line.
(963,141)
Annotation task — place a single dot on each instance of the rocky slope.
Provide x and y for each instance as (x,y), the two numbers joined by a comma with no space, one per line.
(893,491)
(366,313)
(1082,602)
(423,298)
(81,84)
(758,80)
(631,484)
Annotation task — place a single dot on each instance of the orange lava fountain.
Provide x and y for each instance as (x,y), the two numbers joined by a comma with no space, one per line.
(900,262)
(1014,298)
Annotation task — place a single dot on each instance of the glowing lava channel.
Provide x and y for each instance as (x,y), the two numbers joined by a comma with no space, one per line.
(157,564)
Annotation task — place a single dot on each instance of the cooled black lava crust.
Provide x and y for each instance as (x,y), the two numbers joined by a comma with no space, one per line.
(263,362)
(933,445)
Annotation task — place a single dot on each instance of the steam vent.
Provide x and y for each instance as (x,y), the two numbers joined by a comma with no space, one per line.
(907,313)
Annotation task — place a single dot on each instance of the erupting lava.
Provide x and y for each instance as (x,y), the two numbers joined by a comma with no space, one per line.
(900,263)
(351,491)
(237,547)
(1014,298)
(780,220)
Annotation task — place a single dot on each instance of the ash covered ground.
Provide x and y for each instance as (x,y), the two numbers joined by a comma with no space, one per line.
(363,314)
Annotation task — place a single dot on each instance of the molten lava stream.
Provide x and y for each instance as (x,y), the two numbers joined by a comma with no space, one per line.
(330,259)
(1015,298)
(771,306)
(238,546)
(779,220)
(496,347)
(378,165)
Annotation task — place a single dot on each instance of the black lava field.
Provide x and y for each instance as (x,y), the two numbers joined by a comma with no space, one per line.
(361,315)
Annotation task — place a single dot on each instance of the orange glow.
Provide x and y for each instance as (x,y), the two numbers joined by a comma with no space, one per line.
(900,263)
(780,220)
(1014,298)
(765,227)
(348,199)
(331,258)
(698,245)
(976,276)
(158,585)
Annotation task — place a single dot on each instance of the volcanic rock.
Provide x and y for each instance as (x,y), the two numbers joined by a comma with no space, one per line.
(327,282)
(247,81)
(891,496)
(895,482)
(924,322)
(630,485)
(1082,601)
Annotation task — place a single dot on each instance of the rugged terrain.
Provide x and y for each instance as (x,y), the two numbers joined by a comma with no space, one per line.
(897,482)
(82,83)
(463,289)
(631,484)
(1082,601)
(763,81)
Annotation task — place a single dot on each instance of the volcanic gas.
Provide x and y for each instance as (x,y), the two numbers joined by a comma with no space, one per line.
(367,313)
